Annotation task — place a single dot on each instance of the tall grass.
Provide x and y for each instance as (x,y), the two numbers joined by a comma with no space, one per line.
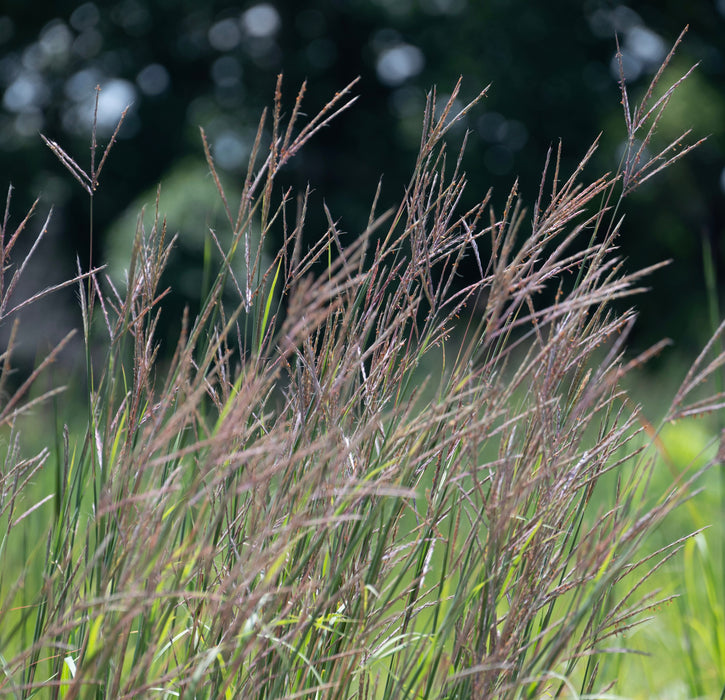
(291,507)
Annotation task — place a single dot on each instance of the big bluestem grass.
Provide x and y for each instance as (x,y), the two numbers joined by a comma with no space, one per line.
(289,508)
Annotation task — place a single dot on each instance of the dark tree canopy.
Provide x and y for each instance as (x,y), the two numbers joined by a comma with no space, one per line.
(185,64)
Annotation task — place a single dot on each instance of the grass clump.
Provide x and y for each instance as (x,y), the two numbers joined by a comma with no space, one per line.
(290,508)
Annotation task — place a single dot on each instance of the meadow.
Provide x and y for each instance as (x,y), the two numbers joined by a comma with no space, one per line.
(356,473)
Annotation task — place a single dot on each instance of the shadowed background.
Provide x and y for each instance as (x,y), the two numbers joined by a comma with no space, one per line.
(181,65)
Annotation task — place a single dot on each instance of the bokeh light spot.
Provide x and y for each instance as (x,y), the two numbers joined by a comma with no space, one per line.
(261,21)
(230,150)
(399,63)
(84,17)
(26,93)
(153,80)
(224,35)
(226,71)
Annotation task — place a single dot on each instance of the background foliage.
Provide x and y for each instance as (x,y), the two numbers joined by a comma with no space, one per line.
(187,64)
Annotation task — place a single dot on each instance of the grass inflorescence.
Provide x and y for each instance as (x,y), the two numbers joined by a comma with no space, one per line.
(293,504)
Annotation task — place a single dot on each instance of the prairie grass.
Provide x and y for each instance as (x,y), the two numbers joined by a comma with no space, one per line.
(291,507)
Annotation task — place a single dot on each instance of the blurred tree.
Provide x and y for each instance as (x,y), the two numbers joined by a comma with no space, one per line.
(186,63)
